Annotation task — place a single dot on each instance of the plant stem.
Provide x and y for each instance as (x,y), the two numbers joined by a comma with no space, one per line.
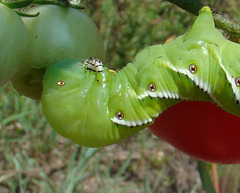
(228,26)
(17,4)
(59,3)
(206,180)
(215,178)
(194,6)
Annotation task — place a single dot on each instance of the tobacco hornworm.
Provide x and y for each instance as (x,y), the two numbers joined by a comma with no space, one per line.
(94,106)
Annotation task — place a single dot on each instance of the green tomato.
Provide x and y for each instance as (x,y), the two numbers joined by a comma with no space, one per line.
(58,33)
(13,38)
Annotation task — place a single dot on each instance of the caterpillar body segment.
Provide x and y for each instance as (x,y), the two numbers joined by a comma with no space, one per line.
(87,105)
(94,106)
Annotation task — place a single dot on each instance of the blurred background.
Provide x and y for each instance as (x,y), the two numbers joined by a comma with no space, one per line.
(33,158)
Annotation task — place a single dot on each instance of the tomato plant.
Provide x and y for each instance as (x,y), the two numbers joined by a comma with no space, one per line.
(13,38)
(58,33)
(201,130)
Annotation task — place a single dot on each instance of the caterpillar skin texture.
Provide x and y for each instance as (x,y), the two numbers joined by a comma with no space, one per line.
(94,107)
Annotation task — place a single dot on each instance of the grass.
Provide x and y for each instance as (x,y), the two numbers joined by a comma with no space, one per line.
(34,158)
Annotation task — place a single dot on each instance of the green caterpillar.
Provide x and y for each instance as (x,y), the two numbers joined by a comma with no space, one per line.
(93,106)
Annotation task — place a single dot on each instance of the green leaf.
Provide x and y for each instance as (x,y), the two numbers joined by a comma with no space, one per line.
(192,6)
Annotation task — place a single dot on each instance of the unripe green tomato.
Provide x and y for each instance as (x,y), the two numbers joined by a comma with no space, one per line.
(13,41)
(58,33)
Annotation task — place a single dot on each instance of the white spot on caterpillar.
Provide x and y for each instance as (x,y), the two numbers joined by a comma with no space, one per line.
(138,122)
(232,82)
(235,88)
(200,83)
(131,123)
(156,115)
(166,94)
(204,85)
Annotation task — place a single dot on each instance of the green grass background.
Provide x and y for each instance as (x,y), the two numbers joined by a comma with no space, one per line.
(34,158)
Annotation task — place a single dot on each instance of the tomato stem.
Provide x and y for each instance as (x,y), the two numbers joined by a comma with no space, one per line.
(17,4)
(59,3)
(26,15)
(25,3)
(230,27)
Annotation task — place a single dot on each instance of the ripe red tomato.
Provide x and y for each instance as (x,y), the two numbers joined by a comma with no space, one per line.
(201,130)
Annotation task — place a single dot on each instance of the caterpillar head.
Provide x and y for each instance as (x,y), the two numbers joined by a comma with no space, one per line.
(76,101)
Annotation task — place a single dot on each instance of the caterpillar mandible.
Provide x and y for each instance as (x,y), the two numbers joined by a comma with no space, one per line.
(94,106)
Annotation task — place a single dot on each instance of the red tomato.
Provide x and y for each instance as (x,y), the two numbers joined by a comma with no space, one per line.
(201,130)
